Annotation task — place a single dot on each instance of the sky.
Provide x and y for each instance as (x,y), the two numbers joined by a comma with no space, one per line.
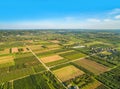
(59,14)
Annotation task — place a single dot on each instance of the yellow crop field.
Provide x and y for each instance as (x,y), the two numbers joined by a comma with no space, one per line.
(67,73)
(51,58)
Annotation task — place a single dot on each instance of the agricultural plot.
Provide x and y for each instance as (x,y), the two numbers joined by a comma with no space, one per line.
(31,82)
(7,85)
(72,55)
(45,43)
(97,43)
(111,78)
(38,81)
(23,49)
(51,58)
(49,52)
(66,51)
(55,41)
(67,73)
(4,51)
(53,46)
(102,87)
(46,50)
(24,64)
(93,85)
(92,66)
(36,47)
(55,63)
(80,82)
(6,61)
(14,50)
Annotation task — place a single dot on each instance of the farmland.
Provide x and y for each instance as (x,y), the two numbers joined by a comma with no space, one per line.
(39,81)
(59,59)
(67,73)
(72,55)
(91,66)
(51,58)
(6,61)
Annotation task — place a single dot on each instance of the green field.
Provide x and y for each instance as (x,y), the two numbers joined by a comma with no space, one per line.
(73,55)
(38,81)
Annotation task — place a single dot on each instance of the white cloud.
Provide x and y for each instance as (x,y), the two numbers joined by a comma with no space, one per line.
(107,20)
(69,18)
(114,11)
(117,17)
(93,20)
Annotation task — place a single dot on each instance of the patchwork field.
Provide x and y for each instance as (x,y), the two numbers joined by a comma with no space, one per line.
(43,80)
(36,47)
(59,59)
(73,55)
(67,73)
(23,64)
(51,58)
(92,66)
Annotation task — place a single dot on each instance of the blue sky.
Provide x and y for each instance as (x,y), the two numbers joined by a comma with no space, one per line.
(96,14)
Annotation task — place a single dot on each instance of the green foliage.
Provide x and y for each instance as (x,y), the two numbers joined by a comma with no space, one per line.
(99,60)
(102,87)
(80,81)
(38,68)
(111,78)
(38,81)
(6,85)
